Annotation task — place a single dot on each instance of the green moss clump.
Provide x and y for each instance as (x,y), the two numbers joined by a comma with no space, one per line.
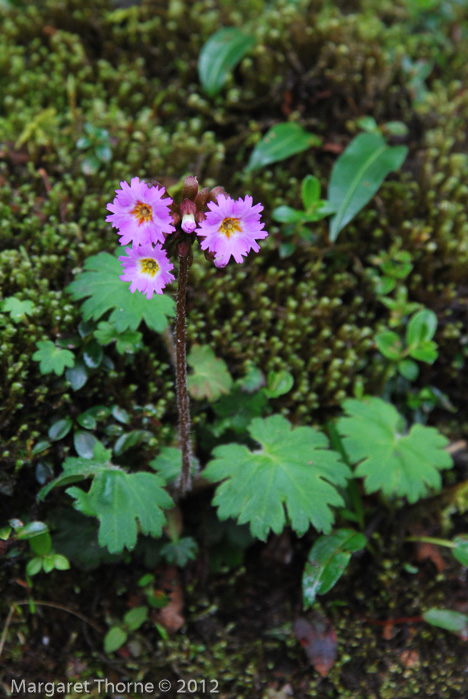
(134,72)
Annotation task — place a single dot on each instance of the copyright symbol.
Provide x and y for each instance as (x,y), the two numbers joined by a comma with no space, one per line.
(164,685)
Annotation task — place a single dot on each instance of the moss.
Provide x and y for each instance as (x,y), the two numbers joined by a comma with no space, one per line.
(134,73)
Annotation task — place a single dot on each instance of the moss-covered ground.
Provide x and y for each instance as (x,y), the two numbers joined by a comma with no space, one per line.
(133,71)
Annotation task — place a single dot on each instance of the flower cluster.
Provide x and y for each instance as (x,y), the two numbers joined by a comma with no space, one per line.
(142,218)
(155,226)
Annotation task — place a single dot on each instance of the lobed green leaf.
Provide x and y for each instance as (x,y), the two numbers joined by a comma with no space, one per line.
(99,283)
(293,474)
(398,464)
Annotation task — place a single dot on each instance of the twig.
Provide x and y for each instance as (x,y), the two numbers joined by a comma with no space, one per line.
(40,603)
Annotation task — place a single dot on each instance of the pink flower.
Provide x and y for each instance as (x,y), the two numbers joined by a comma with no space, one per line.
(147,268)
(140,214)
(231,228)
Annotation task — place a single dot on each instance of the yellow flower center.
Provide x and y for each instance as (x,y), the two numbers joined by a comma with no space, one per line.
(142,212)
(230,226)
(149,266)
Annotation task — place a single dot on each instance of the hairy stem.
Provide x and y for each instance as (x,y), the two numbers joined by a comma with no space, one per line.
(184,483)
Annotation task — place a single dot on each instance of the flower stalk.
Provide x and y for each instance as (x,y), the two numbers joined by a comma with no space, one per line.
(184,482)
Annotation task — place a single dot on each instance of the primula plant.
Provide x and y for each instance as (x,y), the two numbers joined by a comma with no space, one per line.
(158,229)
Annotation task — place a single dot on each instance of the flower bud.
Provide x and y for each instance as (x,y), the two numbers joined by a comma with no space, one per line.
(190,188)
(188,223)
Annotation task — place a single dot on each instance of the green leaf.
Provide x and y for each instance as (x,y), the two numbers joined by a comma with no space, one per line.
(77,469)
(114,639)
(389,343)
(281,141)
(408,369)
(31,530)
(292,472)
(252,381)
(127,342)
(90,165)
(92,354)
(367,123)
(285,214)
(60,562)
(34,566)
(60,429)
(77,375)
(421,328)
(84,443)
(121,499)
(210,377)
(168,463)
(39,447)
(398,464)
(396,128)
(237,410)
(41,544)
(358,174)
(327,561)
(103,152)
(180,552)
(129,440)
(426,352)
(83,142)
(17,308)
(221,54)
(278,383)
(121,415)
(449,620)
(48,563)
(310,191)
(100,282)
(52,358)
(135,618)
(460,552)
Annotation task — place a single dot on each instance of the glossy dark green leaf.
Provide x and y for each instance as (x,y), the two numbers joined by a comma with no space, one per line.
(129,440)
(92,354)
(84,444)
(221,54)
(87,421)
(60,429)
(358,174)
(121,415)
(327,561)
(31,530)
(39,447)
(43,472)
(281,141)
(77,375)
